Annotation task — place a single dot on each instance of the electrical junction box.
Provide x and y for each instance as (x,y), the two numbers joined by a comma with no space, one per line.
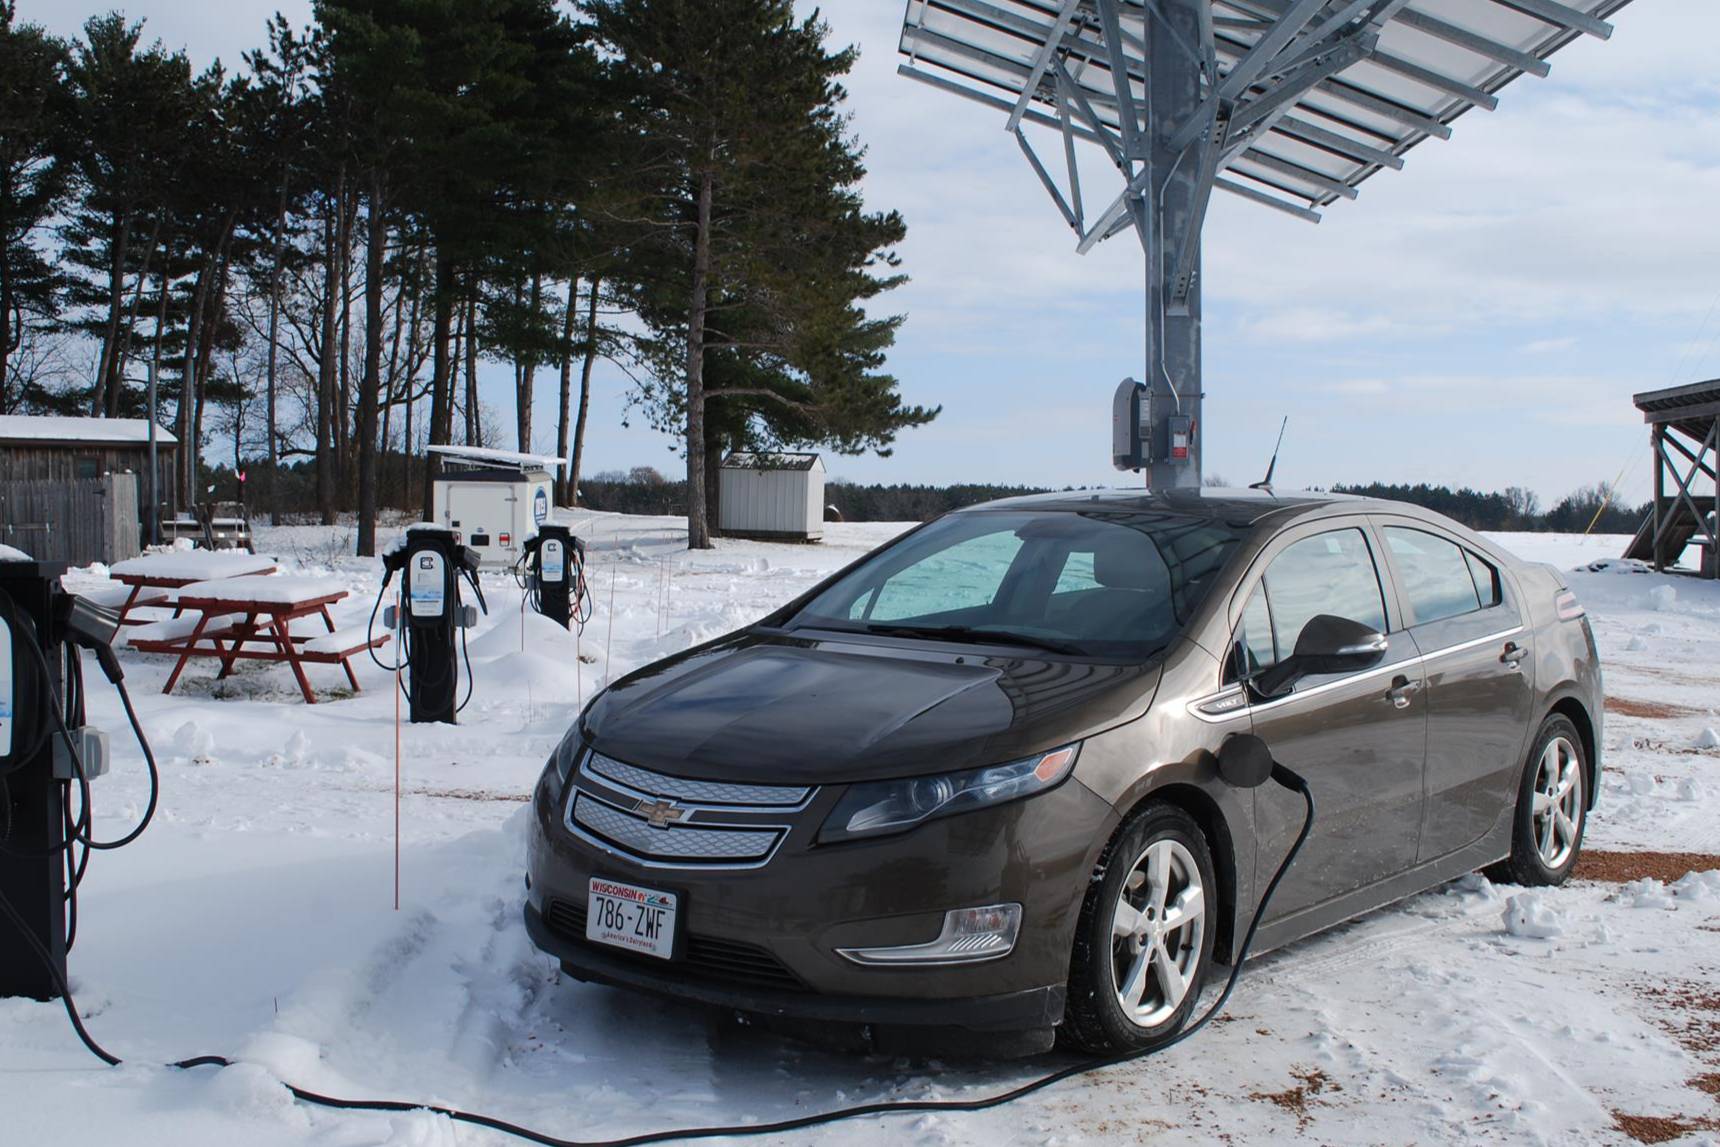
(1181,429)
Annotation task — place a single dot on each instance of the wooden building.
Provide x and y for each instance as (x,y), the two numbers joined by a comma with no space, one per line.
(74,489)
(1684,434)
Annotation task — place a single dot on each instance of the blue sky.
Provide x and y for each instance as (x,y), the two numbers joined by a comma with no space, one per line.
(1481,317)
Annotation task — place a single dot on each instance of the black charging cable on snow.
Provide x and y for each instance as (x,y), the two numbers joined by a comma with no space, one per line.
(1277,773)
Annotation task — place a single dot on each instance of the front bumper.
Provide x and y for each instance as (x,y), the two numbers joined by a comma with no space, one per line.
(1031,1009)
(764,940)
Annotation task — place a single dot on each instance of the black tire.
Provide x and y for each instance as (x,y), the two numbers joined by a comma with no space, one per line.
(1095,1020)
(1529,862)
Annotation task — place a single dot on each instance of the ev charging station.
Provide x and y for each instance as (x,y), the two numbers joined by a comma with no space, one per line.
(44,750)
(554,574)
(432,562)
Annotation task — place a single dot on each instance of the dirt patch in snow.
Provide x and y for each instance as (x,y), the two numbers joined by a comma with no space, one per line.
(1675,676)
(1623,867)
(1311,1082)
(1708,1084)
(1660,1128)
(1690,1014)
(1653,710)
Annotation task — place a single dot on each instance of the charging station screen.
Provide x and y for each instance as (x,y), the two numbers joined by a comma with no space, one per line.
(428,584)
(554,561)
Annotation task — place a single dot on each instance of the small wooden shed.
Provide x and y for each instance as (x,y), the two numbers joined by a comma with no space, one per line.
(73,489)
(775,496)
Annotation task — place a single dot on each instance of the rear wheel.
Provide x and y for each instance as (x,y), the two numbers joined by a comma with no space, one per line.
(1552,800)
(1145,936)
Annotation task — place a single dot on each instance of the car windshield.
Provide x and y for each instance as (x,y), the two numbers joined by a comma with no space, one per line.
(1090,583)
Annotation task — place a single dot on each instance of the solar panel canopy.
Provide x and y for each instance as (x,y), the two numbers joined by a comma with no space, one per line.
(1308,98)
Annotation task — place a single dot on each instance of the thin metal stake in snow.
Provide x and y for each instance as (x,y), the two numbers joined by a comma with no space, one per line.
(399,661)
(609,632)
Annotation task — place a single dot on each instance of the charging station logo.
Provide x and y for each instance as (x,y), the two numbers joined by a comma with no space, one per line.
(540,506)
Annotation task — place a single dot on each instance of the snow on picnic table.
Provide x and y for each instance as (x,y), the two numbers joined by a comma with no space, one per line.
(285,589)
(193,565)
(255,919)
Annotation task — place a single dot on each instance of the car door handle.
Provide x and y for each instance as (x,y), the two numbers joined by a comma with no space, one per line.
(1513,655)
(1403,691)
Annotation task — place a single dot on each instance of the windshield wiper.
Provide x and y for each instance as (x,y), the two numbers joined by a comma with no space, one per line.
(977,636)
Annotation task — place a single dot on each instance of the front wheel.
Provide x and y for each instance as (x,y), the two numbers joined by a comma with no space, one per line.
(1145,936)
(1552,800)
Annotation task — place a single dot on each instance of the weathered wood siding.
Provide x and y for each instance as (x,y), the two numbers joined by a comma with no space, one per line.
(47,461)
(81,520)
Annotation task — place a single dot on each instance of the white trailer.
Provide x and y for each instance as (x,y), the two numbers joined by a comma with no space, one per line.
(495,499)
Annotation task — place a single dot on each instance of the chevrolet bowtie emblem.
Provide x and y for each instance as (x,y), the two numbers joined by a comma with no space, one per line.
(661,813)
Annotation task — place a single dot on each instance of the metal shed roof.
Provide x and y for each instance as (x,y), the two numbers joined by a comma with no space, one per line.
(1319,94)
(484,456)
(42,429)
(773,460)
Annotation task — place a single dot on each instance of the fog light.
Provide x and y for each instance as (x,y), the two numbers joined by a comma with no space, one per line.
(970,935)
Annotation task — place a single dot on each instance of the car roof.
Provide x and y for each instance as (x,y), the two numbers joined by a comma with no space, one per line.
(1232,505)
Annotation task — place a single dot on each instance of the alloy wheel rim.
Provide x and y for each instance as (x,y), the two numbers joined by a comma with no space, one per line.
(1558,811)
(1157,926)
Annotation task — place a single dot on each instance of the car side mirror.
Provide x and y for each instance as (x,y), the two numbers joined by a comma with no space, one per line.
(1327,644)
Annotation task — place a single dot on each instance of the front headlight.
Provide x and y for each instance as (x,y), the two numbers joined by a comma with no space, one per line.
(566,753)
(881,807)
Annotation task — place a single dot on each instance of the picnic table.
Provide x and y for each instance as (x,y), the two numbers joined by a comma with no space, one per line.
(151,576)
(250,618)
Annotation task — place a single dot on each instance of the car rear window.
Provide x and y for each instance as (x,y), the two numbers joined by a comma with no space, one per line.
(1105,584)
(1438,579)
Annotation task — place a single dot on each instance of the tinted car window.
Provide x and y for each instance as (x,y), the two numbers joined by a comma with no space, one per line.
(1254,635)
(1105,583)
(1327,573)
(963,576)
(1486,580)
(1437,582)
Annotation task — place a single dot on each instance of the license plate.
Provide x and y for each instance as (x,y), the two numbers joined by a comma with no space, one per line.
(630,917)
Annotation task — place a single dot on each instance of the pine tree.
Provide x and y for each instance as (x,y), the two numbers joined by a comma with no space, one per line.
(33,107)
(753,251)
(129,129)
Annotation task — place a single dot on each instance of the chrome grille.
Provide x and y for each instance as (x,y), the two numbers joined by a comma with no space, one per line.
(697,792)
(675,842)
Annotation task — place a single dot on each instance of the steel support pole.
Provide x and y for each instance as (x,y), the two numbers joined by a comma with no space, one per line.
(1171,205)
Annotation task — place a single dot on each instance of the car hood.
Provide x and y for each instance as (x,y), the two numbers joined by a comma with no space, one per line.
(766,707)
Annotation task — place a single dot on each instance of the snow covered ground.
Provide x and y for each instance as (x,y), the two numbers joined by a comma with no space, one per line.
(256,919)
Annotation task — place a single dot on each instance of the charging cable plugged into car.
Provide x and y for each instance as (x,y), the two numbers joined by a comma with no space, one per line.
(33,711)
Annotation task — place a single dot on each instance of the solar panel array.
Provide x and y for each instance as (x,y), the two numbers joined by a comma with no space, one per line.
(1373,78)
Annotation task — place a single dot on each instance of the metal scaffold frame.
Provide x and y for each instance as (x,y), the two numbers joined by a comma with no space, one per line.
(1286,103)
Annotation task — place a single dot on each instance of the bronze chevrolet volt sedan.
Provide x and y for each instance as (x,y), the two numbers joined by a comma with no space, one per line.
(964,792)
